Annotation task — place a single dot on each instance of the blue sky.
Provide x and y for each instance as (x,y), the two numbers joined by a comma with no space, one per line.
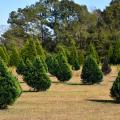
(6,6)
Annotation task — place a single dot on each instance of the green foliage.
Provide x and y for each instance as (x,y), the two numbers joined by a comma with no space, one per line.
(39,49)
(20,67)
(29,50)
(92,51)
(116,53)
(35,75)
(52,64)
(106,69)
(74,59)
(10,88)
(14,57)
(110,54)
(64,72)
(115,90)
(81,58)
(3,55)
(91,73)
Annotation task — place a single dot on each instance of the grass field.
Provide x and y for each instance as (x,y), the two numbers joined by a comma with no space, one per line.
(68,101)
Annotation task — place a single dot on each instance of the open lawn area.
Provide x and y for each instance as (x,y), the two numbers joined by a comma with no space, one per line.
(66,101)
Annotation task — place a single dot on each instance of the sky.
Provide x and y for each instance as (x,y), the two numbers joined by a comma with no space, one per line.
(6,6)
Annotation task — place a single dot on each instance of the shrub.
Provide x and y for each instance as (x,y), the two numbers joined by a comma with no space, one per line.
(64,72)
(14,57)
(115,90)
(36,77)
(10,88)
(29,50)
(106,67)
(91,73)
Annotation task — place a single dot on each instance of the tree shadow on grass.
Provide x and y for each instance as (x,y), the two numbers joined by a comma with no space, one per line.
(102,101)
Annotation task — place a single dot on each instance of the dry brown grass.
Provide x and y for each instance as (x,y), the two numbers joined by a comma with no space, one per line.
(69,101)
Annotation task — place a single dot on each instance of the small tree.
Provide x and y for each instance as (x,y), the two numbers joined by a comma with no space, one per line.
(52,64)
(39,49)
(115,90)
(105,67)
(74,59)
(116,53)
(3,55)
(81,58)
(20,67)
(9,87)
(64,72)
(29,50)
(14,57)
(110,54)
(92,51)
(91,73)
(36,76)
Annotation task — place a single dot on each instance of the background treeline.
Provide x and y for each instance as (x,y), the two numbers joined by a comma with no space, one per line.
(55,22)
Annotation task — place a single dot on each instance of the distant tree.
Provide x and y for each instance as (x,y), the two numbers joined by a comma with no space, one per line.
(10,88)
(115,90)
(14,57)
(29,50)
(106,69)
(91,73)
(92,51)
(39,49)
(3,55)
(64,72)
(73,58)
(81,58)
(52,64)
(110,54)
(116,53)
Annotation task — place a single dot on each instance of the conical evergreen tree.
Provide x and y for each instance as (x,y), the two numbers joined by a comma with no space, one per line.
(115,90)
(105,66)
(36,76)
(110,54)
(74,59)
(64,72)
(6,53)
(81,58)
(91,73)
(14,57)
(92,51)
(20,67)
(52,64)
(40,50)
(9,87)
(116,53)
(29,50)
(3,55)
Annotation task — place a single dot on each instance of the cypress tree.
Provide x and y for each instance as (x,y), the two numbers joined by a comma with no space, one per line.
(116,53)
(92,51)
(115,90)
(3,55)
(36,76)
(91,73)
(40,50)
(14,57)
(64,72)
(29,50)
(81,58)
(110,54)
(52,64)
(74,59)
(105,66)
(10,88)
